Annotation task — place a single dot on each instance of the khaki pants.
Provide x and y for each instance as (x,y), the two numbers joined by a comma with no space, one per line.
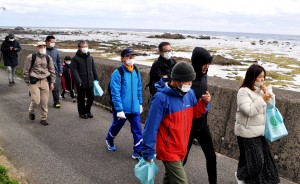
(39,95)
(174,173)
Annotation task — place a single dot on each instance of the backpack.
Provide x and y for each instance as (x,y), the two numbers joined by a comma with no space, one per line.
(121,71)
(33,58)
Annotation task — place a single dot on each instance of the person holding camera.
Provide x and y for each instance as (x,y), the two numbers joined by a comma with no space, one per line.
(39,74)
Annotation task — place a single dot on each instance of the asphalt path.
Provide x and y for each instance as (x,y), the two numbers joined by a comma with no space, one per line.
(72,150)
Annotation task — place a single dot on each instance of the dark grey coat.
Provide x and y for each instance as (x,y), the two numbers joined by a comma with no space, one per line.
(10,57)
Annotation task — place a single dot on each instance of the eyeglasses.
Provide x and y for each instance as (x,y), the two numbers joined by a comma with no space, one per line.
(169,51)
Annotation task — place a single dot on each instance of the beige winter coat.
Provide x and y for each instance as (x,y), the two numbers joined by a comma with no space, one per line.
(251,113)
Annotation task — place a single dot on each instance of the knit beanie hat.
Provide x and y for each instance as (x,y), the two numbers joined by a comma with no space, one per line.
(200,57)
(183,72)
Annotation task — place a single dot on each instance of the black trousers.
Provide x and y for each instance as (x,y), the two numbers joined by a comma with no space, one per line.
(84,107)
(72,95)
(55,92)
(204,138)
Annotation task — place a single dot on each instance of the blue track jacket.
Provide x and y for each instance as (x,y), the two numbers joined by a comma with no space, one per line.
(126,94)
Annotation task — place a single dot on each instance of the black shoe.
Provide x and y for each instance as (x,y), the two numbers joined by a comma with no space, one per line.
(44,122)
(195,142)
(89,115)
(10,84)
(83,116)
(13,82)
(32,116)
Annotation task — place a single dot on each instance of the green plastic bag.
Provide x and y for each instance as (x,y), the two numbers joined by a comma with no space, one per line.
(145,171)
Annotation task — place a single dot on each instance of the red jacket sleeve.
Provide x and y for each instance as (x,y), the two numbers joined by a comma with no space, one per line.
(199,109)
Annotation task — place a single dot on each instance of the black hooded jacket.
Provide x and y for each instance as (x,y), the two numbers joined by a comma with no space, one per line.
(200,57)
(10,57)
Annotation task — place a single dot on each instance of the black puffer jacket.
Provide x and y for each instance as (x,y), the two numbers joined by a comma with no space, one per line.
(10,57)
(83,69)
(200,57)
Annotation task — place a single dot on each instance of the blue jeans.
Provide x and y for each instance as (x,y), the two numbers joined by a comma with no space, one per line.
(136,129)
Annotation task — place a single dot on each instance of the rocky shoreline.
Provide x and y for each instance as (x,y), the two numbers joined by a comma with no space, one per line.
(113,46)
(231,57)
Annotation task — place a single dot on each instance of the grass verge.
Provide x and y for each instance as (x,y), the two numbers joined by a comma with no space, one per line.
(4,179)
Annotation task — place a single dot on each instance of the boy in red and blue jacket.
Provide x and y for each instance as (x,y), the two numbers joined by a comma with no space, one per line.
(172,111)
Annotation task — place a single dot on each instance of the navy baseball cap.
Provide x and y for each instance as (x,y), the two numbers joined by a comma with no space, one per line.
(127,52)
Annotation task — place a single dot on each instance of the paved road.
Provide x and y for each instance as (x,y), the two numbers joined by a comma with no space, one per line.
(72,150)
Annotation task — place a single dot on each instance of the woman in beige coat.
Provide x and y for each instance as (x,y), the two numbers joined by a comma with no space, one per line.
(256,164)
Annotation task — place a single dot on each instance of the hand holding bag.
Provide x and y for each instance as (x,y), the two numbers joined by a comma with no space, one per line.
(97,89)
(145,171)
(275,128)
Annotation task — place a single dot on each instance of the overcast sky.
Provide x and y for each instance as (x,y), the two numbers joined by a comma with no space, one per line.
(254,16)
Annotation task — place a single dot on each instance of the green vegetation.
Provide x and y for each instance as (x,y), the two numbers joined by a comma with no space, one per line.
(4,179)
(295,71)
(239,78)
(282,84)
(182,49)
(280,60)
(278,76)
(19,71)
(2,65)
(104,55)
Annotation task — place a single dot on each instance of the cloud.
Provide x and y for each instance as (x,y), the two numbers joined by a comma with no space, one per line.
(214,15)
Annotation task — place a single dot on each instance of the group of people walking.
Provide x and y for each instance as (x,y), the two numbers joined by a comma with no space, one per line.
(178,112)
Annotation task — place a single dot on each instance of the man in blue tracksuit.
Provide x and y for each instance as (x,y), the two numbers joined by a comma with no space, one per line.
(126,93)
(53,52)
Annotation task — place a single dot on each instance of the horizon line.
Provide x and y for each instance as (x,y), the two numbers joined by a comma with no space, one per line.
(121,28)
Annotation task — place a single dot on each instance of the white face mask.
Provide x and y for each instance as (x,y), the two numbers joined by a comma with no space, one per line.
(42,51)
(167,55)
(11,39)
(68,62)
(258,84)
(84,50)
(185,88)
(52,44)
(130,62)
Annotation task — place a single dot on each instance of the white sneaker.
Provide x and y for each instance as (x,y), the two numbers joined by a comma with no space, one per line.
(237,180)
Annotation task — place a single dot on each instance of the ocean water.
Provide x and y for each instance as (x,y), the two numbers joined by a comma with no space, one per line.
(261,36)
